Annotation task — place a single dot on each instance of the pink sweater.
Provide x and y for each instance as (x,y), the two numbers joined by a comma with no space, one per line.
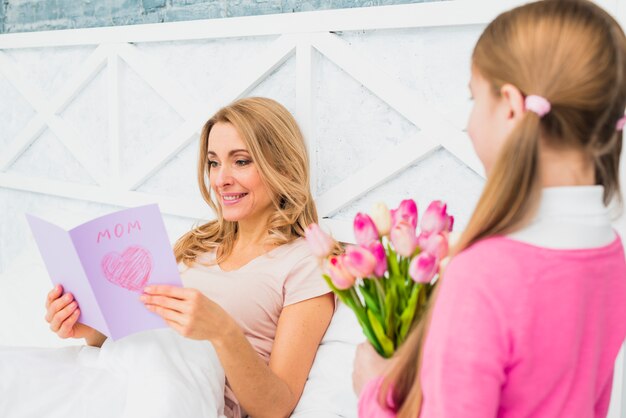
(522,331)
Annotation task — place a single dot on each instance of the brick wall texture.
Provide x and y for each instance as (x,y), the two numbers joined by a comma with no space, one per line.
(37,15)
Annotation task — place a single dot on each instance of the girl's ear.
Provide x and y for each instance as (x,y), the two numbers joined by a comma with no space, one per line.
(513,100)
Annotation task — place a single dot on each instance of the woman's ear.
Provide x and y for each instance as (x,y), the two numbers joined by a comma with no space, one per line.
(513,100)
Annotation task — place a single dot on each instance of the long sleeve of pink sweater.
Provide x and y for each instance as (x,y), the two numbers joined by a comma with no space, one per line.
(525,331)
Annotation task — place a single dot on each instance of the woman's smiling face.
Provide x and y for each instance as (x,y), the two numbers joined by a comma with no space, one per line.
(235,180)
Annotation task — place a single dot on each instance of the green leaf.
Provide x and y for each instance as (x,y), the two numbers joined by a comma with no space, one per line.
(369,334)
(386,343)
(370,301)
(349,298)
(343,295)
(399,283)
(380,294)
(407,317)
(392,262)
(330,283)
(391,302)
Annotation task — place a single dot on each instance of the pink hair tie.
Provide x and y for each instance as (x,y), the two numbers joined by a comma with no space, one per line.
(619,126)
(537,104)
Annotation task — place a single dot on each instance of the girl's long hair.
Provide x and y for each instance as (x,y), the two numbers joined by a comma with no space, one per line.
(278,150)
(572,53)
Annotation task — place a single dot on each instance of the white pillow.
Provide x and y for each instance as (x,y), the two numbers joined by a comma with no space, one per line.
(328,391)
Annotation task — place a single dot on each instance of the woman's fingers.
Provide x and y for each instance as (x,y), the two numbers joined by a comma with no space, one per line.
(166,290)
(58,304)
(168,315)
(165,302)
(62,315)
(54,294)
(67,327)
(175,326)
(184,310)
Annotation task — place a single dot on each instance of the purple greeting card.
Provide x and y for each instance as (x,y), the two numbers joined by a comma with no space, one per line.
(106,262)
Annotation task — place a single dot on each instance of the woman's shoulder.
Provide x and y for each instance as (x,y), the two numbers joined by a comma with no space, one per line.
(292,253)
(295,249)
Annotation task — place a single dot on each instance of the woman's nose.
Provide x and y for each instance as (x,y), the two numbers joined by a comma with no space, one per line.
(222,176)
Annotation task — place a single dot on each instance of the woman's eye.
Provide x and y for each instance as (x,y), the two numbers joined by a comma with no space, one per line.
(212,164)
(242,163)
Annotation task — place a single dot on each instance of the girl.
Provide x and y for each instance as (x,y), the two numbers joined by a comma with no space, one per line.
(252,287)
(531,312)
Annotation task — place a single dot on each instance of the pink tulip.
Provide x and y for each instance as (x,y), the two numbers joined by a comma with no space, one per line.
(339,275)
(377,249)
(436,219)
(403,238)
(360,262)
(406,212)
(365,231)
(320,242)
(434,244)
(423,268)
(382,218)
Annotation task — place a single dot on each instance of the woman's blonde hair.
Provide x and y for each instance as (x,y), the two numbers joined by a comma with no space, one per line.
(278,150)
(572,53)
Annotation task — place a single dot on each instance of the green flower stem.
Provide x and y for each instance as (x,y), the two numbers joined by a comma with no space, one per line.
(358,308)
(361,313)
(401,280)
(405,267)
(392,261)
(355,297)
(380,292)
(408,314)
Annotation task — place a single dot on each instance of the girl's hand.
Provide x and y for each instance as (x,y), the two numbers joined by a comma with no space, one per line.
(368,364)
(62,314)
(188,312)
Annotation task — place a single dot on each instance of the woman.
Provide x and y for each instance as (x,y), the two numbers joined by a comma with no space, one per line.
(251,286)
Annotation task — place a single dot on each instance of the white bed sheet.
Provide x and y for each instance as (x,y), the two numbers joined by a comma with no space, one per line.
(155,374)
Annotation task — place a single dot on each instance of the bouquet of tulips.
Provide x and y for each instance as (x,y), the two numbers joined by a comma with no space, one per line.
(387,277)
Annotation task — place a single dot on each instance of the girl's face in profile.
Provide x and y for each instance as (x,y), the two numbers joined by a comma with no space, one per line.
(487,125)
(234,177)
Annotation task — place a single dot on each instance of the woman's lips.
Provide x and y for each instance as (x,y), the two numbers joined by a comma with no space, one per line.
(232,198)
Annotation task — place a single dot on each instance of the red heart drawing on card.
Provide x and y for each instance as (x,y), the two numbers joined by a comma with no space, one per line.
(129,270)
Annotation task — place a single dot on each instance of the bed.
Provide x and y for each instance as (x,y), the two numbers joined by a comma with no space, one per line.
(327,394)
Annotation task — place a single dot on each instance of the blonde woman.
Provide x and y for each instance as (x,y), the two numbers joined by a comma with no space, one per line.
(251,286)
(531,310)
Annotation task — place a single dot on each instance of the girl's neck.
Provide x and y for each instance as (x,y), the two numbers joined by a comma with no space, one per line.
(566,167)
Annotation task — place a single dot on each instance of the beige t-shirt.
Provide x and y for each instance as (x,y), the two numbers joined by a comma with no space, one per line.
(255,294)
